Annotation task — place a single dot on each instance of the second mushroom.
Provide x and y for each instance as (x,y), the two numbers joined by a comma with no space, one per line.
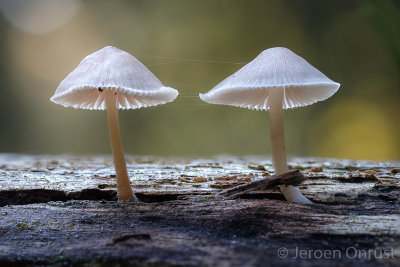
(275,80)
(112,79)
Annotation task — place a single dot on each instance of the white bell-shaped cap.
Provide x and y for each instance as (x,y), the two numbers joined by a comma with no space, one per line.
(273,69)
(111,68)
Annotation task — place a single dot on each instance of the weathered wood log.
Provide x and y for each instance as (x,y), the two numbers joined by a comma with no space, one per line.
(62,210)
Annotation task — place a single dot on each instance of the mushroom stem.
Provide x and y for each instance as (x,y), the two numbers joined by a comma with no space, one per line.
(277,135)
(125,193)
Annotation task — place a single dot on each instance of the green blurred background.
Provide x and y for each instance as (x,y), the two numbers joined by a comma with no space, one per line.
(356,43)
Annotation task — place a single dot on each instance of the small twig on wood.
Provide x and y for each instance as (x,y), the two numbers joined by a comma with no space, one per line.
(125,237)
(288,178)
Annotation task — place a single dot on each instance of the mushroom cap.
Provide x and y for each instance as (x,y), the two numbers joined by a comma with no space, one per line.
(274,69)
(111,68)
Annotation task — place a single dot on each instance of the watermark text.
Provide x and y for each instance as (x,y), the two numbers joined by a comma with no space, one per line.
(349,253)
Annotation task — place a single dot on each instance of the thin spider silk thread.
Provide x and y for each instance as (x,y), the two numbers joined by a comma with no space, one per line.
(146,111)
(176,60)
(185,60)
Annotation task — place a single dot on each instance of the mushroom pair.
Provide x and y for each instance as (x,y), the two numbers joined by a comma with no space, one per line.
(112,79)
(275,80)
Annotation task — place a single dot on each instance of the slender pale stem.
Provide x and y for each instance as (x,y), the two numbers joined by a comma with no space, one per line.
(125,193)
(277,135)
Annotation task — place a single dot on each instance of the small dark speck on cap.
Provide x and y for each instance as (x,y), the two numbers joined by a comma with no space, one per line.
(100,89)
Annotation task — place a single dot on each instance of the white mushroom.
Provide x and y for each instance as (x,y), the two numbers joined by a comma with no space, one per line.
(112,79)
(276,79)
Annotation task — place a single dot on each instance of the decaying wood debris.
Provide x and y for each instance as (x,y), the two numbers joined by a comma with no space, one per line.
(62,210)
(291,178)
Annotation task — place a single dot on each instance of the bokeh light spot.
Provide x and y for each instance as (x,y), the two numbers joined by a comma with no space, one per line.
(39,16)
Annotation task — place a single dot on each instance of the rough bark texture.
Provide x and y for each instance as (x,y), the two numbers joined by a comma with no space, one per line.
(62,210)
